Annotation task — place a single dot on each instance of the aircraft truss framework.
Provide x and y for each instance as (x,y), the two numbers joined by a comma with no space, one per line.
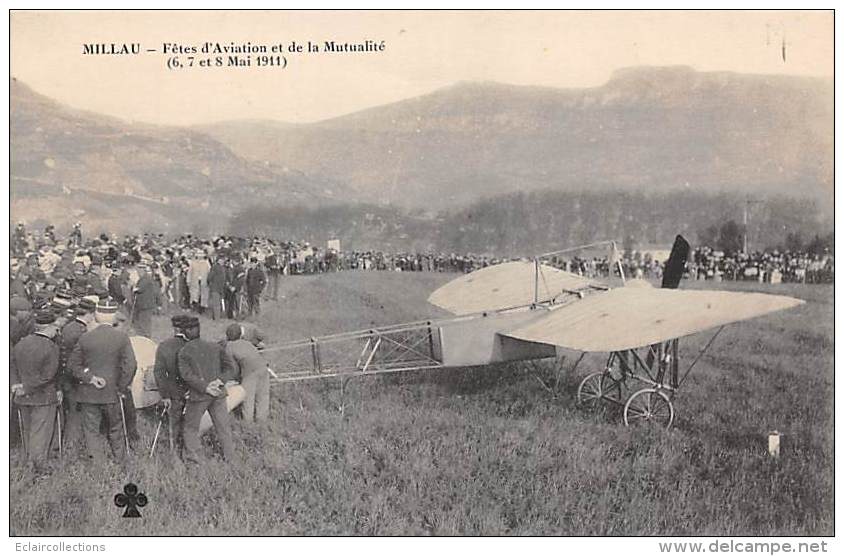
(404,347)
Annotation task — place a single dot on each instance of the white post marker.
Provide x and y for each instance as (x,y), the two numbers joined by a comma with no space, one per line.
(774,444)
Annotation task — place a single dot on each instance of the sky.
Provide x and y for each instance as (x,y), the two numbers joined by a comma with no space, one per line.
(423,51)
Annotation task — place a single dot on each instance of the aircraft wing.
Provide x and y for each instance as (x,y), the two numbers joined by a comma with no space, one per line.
(627,318)
(504,285)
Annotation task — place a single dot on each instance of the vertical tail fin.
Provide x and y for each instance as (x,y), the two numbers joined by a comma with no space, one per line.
(676,264)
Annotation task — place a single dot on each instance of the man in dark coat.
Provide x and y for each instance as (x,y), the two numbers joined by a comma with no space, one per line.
(216,286)
(115,285)
(103,361)
(146,301)
(235,282)
(170,384)
(70,334)
(255,282)
(34,369)
(206,367)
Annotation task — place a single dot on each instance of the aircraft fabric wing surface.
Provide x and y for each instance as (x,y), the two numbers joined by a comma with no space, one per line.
(502,286)
(627,318)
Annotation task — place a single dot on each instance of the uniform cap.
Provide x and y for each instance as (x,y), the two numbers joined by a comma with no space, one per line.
(180,321)
(191,321)
(107,307)
(62,302)
(45,316)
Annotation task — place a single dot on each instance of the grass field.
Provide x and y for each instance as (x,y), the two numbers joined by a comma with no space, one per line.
(486,451)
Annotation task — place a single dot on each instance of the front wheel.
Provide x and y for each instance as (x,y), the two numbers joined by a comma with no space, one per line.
(649,406)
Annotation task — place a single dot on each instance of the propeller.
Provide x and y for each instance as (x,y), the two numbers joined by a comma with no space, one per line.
(676,264)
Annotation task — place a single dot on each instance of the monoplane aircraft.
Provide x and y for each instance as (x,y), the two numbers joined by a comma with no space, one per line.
(529,310)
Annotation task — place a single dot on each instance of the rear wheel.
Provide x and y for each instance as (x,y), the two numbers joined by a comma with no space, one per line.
(649,406)
(597,387)
(590,391)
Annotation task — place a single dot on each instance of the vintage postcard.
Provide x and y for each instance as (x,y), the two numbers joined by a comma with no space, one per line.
(422,273)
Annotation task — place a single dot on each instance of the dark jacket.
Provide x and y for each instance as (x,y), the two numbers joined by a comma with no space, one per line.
(115,287)
(216,278)
(235,278)
(95,284)
(107,353)
(255,281)
(71,332)
(272,264)
(167,378)
(202,362)
(146,293)
(34,362)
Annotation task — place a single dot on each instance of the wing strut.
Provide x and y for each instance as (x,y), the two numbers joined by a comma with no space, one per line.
(700,354)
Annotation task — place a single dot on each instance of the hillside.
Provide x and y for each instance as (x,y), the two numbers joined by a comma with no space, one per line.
(68,164)
(648,129)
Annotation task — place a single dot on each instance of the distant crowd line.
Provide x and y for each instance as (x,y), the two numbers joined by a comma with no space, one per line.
(227,277)
(707,263)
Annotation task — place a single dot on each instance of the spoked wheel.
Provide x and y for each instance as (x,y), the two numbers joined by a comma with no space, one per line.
(649,406)
(598,387)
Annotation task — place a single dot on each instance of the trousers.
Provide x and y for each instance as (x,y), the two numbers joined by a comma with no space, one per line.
(256,404)
(215,300)
(39,422)
(142,322)
(93,417)
(131,415)
(253,300)
(72,420)
(219,416)
(176,423)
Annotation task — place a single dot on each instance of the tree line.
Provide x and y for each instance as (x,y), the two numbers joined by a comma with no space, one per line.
(525,223)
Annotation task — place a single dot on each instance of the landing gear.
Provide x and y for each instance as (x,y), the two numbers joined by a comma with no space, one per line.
(598,387)
(649,406)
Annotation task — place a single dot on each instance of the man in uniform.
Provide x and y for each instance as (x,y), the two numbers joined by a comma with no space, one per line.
(103,361)
(172,388)
(34,369)
(70,334)
(205,367)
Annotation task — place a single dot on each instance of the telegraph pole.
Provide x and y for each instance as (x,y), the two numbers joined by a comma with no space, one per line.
(747,202)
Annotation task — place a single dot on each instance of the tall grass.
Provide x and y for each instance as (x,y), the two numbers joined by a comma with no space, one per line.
(487,450)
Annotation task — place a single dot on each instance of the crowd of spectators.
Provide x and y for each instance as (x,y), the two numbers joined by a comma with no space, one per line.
(228,276)
(706,263)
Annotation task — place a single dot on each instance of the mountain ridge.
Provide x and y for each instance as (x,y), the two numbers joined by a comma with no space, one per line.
(62,158)
(645,128)
(650,129)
